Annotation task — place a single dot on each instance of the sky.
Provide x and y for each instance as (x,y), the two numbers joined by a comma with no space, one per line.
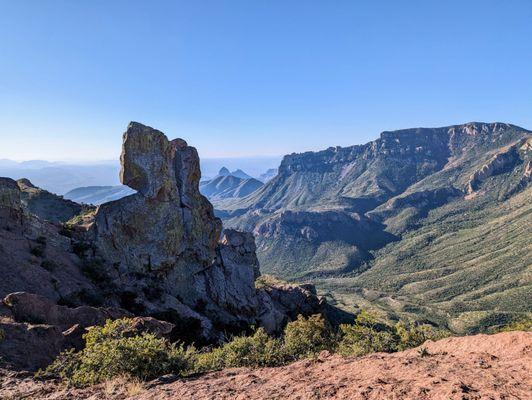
(248,78)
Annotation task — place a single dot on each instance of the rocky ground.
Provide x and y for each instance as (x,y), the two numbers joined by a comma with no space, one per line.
(475,367)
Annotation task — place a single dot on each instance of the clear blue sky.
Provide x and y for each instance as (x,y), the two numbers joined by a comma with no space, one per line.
(242,78)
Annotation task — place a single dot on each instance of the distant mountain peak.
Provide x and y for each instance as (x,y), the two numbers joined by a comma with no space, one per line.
(240,174)
(224,171)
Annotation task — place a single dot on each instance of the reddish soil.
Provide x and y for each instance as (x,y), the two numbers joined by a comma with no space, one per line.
(475,367)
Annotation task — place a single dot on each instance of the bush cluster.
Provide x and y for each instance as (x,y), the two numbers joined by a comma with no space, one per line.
(367,335)
(523,324)
(111,351)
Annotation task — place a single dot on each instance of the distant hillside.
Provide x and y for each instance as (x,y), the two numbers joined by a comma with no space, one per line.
(61,178)
(268,175)
(434,216)
(97,195)
(229,186)
(47,205)
(240,174)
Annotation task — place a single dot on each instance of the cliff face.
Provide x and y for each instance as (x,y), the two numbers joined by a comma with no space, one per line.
(361,177)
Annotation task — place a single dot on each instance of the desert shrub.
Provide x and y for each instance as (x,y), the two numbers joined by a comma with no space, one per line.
(110,351)
(523,324)
(306,337)
(363,338)
(423,352)
(413,335)
(367,335)
(258,350)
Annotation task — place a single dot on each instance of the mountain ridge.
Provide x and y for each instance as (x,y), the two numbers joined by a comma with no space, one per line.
(397,183)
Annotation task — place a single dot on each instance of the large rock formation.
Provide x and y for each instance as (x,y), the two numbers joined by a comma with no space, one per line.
(163,247)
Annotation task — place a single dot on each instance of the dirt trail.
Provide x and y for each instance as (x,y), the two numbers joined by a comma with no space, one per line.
(475,367)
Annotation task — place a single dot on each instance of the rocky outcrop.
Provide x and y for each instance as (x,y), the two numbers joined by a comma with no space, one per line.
(29,346)
(9,195)
(32,345)
(497,164)
(162,245)
(505,160)
(28,307)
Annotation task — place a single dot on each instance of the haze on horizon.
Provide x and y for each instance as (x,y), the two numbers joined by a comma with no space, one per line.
(241,79)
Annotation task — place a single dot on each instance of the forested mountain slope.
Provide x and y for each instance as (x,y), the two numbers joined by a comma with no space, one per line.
(433,216)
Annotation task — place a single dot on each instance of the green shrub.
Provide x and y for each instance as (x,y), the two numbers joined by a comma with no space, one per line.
(111,351)
(414,335)
(524,324)
(358,340)
(367,335)
(306,337)
(258,350)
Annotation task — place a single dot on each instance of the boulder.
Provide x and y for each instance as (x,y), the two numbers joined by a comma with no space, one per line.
(29,347)
(33,308)
(161,329)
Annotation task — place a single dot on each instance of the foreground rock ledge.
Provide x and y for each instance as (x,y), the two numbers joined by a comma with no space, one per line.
(475,367)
